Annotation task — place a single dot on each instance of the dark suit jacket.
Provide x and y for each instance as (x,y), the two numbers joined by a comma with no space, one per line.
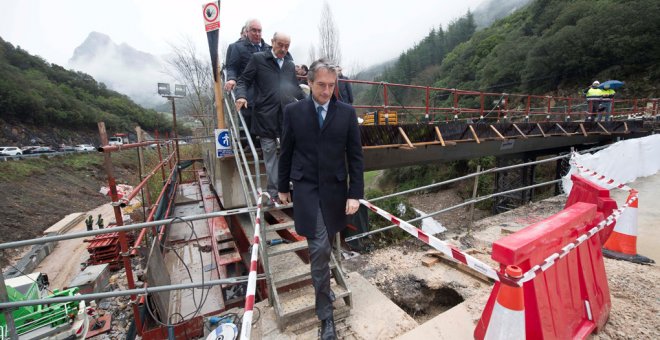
(345,91)
(238,56)
(325,165)
(274,88)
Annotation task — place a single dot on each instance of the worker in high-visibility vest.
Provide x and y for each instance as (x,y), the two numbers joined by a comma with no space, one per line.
(594,97)
(606,104)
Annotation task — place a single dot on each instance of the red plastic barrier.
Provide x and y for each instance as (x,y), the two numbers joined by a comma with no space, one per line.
(585,191)
(570,299)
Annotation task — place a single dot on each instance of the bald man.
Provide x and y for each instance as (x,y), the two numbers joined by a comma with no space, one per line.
(272,76)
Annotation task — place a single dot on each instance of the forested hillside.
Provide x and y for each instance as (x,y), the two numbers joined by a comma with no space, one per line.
(35,92)
(548,46)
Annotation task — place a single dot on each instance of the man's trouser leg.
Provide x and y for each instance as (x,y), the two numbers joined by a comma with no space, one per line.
(269,148)
(319,253)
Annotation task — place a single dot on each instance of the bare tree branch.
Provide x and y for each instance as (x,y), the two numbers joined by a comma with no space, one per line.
(185,66)
(329,36)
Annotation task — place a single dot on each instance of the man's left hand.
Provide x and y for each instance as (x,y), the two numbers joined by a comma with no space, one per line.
(352,206)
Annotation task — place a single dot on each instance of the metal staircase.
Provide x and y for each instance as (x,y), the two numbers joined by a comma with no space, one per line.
(283,252)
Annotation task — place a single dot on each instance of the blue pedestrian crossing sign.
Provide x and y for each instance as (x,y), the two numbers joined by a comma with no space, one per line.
(223,143)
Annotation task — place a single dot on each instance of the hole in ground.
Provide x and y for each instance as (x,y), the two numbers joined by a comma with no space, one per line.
(421,302)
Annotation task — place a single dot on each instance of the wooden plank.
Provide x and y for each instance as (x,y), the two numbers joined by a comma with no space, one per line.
(519,131)
(405,137)
(433,143)
(388,146)
(442,141)
(453,263)
(541,129)
(429,260)
(584,132)
(66,223)
(474,134)
(562,129)
(602,127)
(497,132)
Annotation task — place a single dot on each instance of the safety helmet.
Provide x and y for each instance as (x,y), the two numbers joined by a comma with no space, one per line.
(596,83)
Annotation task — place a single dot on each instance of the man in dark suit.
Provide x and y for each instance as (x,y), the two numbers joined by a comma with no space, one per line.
(345,88)
(322,156)
(238,56)
(272,75)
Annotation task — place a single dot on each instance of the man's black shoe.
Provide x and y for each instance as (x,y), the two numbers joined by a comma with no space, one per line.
(328,329)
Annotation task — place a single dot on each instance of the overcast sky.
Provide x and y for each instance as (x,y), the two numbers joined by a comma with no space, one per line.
(371,31)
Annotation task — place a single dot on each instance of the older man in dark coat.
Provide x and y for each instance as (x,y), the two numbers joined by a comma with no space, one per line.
(272,75)
(322,156)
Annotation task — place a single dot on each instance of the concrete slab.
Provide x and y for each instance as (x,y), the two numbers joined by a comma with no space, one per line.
(63,225)
(373,316)
(453,324)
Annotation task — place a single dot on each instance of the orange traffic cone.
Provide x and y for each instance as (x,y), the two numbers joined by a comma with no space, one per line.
(508,318)
(622,243)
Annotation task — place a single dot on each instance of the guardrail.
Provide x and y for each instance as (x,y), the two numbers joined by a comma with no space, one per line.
(43,154)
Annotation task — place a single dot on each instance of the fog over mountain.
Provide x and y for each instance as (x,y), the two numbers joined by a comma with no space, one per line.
(121,67)
(489,11)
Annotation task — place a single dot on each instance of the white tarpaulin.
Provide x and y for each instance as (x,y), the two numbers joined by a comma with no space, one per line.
(623,161)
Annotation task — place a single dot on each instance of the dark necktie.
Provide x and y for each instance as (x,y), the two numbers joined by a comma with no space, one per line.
(319,110)
(256,48)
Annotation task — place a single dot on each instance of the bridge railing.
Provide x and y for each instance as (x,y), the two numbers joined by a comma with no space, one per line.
(438,104)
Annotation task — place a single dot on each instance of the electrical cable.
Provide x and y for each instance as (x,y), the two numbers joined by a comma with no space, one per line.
(174,249)
(31,279)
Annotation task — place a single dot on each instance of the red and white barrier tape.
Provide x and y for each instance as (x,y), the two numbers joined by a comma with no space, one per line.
(246,326)
(447,249)
(595,175)
(485,269)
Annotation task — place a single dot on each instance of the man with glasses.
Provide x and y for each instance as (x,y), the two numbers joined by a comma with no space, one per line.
(272,75)
(238,56)
(322,156)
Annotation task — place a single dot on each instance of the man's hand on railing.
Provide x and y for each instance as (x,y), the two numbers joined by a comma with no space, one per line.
(229,85)
(285,197)
(240,103)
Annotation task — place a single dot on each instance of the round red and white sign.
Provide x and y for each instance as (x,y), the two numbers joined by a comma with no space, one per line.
(211,12)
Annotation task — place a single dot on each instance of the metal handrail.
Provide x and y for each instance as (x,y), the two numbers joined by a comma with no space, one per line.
(521,107)
(256,189)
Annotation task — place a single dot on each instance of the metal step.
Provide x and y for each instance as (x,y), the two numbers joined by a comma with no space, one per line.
(286,248)
(294,274)
(280,226)
(302,300)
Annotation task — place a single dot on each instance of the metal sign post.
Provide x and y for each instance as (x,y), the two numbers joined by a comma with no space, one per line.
(179,92)
(212,25)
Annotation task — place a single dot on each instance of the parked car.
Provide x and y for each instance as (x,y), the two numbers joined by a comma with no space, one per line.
(65,148)
(115,141)
(29,147)
(10,151)
(85,147)
(41,149)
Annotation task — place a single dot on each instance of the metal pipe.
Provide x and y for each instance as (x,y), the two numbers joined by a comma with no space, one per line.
(176,138)
(112,148)
(472,201)
(496,169)
(126,199)
(138,291)
(151,215)
(130,227)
